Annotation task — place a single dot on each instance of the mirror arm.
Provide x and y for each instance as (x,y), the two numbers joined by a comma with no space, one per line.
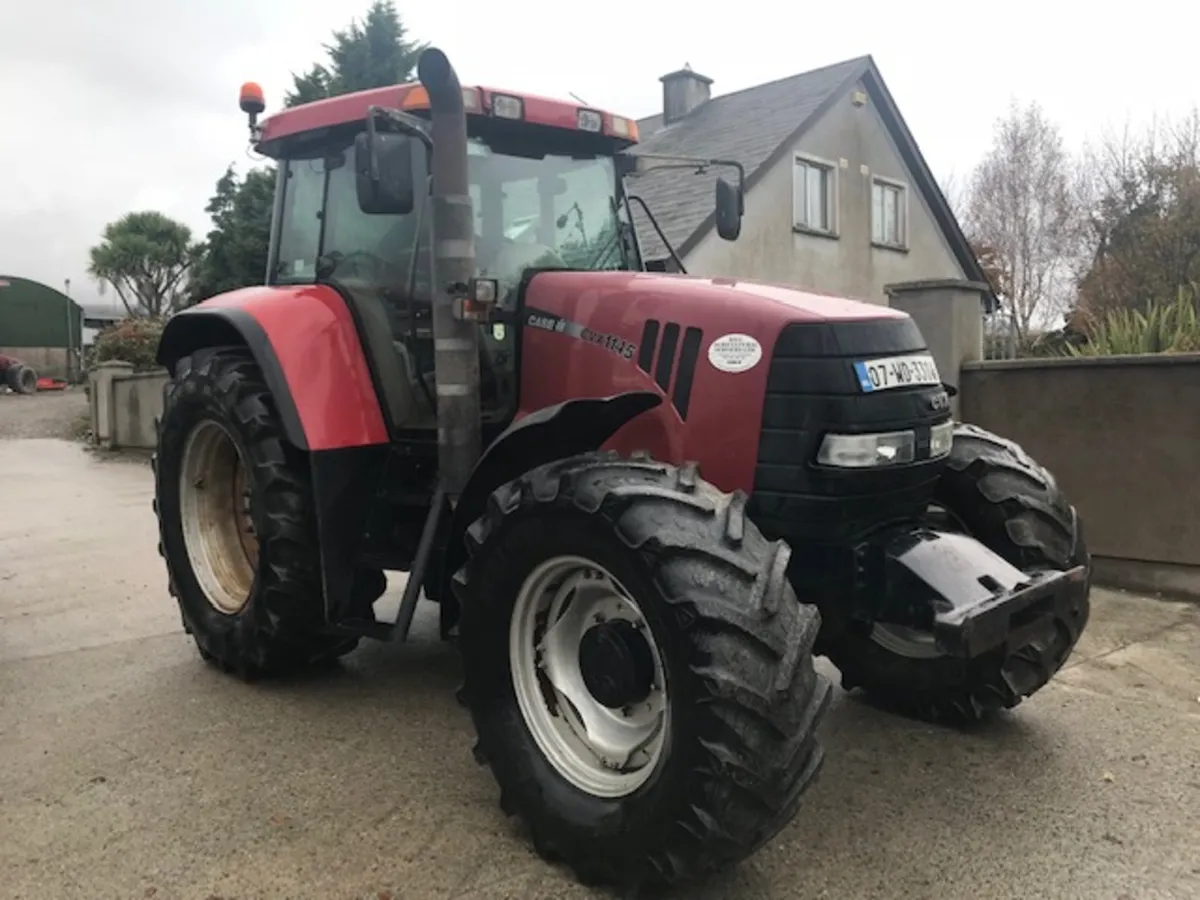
(404,122)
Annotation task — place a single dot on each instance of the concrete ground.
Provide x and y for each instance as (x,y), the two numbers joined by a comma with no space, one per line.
(129,769)
(51,414)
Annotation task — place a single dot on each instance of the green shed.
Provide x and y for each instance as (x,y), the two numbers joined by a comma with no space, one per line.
(40,326)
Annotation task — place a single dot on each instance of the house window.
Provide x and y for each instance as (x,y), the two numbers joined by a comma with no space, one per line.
(888,214)
(813,195)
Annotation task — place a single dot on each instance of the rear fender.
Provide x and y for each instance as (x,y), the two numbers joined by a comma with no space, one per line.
(553,432)
(308,350)
(306,344)
(196,329)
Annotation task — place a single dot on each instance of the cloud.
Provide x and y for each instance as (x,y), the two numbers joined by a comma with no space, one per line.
(116,106)
(107,106)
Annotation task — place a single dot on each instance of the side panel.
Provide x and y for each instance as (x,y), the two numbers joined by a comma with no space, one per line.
(313,338)
(594,335)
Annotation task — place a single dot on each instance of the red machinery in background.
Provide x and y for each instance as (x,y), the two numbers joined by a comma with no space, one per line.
(17,376)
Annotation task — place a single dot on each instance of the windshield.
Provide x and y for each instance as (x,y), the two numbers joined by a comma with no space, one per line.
(552,212)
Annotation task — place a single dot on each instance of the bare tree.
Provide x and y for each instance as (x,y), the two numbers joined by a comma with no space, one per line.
(1021,212)
(1141,194)
(953,189)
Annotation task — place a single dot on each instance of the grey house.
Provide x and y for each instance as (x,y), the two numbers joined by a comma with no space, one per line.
(838,196)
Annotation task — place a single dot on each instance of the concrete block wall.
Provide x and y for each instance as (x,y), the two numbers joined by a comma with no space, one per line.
(1119,434)
(125,405)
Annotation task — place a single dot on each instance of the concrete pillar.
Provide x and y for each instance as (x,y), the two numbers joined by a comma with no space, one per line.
(949,312)
(100,395)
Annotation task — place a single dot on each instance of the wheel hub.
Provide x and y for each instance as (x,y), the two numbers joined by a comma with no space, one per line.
(616,663)
(215,515)
(589,677)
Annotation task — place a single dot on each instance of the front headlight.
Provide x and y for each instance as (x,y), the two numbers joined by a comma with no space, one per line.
(941,439)
(864,451)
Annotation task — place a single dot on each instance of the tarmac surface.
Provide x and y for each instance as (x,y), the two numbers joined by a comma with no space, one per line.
(129,769)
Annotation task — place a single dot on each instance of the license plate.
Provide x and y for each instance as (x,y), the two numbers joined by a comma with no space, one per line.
(896,372)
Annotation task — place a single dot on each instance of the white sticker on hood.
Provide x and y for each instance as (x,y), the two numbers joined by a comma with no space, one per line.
(734,353)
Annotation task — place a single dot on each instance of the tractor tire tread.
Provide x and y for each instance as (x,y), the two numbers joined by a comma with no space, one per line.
(761,698)
(281,629)
(22,379)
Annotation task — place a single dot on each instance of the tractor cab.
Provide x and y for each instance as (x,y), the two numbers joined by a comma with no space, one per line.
(545,180)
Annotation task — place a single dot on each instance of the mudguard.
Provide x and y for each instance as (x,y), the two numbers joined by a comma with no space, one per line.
(553,432)
(307,347)
(980,601)
(305,342)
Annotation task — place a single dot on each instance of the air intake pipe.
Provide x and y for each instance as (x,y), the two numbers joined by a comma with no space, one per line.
(455,342)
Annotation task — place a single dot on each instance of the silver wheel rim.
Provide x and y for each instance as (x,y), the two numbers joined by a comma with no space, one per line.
(601,751)
(902,640)
(214,508)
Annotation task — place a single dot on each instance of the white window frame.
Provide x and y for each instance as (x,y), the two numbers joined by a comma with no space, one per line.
(801,162)
(901,188)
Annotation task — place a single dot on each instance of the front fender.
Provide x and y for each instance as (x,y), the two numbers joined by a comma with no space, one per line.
(553,432)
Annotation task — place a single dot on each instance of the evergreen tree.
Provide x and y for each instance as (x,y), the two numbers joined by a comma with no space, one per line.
(235,251)
(370,54)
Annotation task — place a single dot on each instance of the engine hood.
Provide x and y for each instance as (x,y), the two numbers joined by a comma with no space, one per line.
(749,298)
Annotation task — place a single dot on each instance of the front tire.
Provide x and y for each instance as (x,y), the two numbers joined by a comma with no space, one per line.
(992,490)
(237,522)
(720,691)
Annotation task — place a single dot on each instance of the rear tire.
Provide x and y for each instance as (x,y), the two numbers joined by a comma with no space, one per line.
(249,616)
(742,699)
(996,493)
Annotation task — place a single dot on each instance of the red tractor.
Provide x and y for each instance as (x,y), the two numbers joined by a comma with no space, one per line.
(615,483)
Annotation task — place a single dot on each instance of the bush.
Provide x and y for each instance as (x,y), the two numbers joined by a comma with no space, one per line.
(132,341)
(1164,328)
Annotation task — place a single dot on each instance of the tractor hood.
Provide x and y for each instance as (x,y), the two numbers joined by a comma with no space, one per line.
(768,303)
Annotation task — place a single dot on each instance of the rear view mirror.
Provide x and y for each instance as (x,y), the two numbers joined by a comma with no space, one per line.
(383,168)
(730,206)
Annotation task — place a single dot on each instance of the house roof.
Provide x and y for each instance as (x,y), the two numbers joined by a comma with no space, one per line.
(757,127)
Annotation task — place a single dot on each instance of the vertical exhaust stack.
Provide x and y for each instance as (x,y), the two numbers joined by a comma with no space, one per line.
(456,342)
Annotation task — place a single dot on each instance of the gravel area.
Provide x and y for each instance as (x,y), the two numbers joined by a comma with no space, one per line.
(50,414)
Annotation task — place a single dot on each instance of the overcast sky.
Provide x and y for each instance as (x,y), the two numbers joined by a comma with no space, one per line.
(108,106)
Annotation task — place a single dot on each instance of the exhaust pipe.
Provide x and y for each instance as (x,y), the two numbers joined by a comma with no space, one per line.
(455,342)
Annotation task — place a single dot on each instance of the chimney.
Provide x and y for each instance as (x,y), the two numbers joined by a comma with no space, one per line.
(683,91)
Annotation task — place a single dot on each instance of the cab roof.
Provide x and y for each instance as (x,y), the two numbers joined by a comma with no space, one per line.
(479,101)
